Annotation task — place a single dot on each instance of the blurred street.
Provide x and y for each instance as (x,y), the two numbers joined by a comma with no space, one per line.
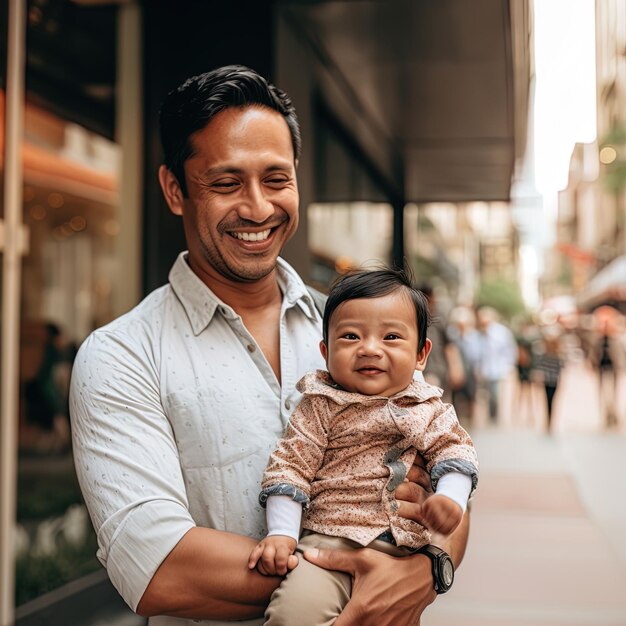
(547,544)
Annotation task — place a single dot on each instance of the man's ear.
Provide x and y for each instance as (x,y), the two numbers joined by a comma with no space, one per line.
(324,350)
(171,190)
(422,355)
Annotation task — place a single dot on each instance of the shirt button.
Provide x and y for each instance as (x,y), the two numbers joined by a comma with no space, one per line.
(251,347)
(287,404)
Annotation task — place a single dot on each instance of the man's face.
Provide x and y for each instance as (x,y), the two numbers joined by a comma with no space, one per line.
(372,345)
(242,204)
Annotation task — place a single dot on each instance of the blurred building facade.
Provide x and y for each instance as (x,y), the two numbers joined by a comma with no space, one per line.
(414,120)
(590,252)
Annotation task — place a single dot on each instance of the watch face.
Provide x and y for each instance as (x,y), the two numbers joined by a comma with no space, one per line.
(447,573)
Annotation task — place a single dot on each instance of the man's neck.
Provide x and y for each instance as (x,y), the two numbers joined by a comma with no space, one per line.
(241,295)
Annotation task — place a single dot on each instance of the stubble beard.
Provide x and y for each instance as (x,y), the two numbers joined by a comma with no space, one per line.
(244,273)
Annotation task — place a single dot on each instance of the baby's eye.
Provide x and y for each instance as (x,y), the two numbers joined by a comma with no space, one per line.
(351,336)
(392,336)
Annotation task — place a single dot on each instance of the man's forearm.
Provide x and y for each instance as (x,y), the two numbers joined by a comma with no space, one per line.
(206,577)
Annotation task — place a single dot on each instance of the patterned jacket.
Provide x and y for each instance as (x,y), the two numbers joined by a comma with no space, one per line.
(343,454)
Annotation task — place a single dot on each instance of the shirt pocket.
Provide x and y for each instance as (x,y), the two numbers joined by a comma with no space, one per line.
(220,427)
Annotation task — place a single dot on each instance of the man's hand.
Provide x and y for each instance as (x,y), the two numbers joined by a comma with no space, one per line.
(274,555)
(386,591)
(414,490)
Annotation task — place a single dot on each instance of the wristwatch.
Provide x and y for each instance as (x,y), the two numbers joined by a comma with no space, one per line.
(443,568)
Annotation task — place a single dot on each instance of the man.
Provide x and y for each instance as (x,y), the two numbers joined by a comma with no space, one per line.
(445,366)
(177,404)
(493,353)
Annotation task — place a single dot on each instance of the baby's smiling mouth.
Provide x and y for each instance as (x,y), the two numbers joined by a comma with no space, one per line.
(370,369)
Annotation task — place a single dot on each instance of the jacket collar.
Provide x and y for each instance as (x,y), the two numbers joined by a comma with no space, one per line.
(321,383)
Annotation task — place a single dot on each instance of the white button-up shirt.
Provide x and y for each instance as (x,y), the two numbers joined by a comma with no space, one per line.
(175,411)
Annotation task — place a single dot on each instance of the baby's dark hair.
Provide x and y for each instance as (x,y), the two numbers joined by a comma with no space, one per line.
(374,284)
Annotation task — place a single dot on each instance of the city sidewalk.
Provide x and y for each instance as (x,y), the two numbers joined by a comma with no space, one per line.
(548,538)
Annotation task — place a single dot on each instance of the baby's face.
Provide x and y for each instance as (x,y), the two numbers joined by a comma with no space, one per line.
(372,345)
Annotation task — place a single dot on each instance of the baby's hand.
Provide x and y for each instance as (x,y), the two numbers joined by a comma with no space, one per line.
(440,514)
(274,555)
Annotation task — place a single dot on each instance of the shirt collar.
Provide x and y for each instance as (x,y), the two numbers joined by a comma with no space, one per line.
(200,303)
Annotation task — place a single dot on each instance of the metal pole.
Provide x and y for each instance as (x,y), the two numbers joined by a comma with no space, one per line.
(129,136)
(11,267)
(398,252)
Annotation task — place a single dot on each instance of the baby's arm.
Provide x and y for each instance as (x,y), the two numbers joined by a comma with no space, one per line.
(274,555)
(443,511)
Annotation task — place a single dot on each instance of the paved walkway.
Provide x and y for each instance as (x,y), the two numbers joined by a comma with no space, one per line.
(548,537)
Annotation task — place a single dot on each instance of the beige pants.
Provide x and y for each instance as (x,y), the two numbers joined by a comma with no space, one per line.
(312,596)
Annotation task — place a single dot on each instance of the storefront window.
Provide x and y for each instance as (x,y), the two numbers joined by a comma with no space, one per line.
(346,235)
(69,278)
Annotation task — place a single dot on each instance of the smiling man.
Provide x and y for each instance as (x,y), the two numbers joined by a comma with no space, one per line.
(177,404)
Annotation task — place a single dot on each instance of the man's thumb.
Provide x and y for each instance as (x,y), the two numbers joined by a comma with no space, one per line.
(330,559)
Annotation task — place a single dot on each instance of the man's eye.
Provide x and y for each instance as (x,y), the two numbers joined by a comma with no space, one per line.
(277,181)
(227,184)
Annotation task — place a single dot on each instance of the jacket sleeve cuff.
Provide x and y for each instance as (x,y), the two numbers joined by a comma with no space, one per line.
(284,489)
(454,465)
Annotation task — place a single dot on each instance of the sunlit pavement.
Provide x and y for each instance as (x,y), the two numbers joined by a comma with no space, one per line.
(548,537)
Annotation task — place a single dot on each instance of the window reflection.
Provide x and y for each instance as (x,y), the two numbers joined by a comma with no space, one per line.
(71,216)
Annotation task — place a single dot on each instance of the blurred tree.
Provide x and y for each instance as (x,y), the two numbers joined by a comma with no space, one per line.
(503,295)
(613,158)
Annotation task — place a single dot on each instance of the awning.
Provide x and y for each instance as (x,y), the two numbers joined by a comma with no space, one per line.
(607,286)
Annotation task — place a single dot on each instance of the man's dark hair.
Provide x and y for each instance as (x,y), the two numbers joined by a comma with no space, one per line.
(374,284)
(191,106)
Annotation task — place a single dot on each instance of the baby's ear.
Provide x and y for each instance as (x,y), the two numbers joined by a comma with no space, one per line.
(324,350)
(422,355)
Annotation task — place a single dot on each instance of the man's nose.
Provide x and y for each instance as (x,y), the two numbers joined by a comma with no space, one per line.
(255,206)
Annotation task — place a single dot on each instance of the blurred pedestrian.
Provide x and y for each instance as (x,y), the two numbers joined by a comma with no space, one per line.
(493,354)
(45,400)
(525,357)
(444,368)
(461,323)
(609,359)
(548,365)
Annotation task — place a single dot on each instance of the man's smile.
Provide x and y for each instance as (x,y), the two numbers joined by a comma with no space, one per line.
(251,236)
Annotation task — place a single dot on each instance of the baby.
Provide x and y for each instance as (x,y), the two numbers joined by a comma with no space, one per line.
(351,442)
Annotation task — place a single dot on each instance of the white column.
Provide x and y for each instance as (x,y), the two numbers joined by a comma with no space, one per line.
(10,329)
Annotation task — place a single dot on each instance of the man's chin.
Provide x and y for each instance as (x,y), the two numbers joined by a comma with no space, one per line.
(247,274)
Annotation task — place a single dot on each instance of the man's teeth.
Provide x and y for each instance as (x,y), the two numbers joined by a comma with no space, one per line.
(264,234)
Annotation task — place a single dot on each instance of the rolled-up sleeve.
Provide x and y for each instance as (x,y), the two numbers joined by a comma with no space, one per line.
(126,460)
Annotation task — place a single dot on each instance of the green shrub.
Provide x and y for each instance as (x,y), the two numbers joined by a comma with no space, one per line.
(35,576)
(503,295)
